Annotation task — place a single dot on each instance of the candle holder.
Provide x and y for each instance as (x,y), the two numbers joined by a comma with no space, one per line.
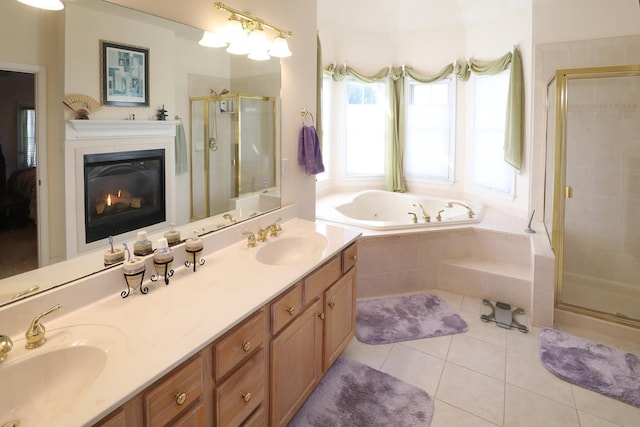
(162,269)
(134,281)
(195,259)
(134,270)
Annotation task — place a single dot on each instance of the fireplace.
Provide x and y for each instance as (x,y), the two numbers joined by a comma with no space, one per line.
(119,178)
(123,191)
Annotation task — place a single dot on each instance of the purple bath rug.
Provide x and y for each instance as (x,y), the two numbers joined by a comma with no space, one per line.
(406,317)
(596,367)
(352,394)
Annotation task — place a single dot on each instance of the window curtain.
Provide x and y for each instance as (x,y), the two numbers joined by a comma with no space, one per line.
(319,76)
(513,138)
(513,141)
(395,144)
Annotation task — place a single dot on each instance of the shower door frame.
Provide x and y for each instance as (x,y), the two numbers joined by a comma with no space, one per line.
(562,191)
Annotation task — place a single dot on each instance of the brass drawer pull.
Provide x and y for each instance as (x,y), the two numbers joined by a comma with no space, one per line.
(246,396)
(291,310)
(354,258)
(246,346)
(321,316)
(332,304)
(181,398)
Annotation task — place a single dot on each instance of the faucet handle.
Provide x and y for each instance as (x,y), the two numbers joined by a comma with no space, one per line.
(275,228)
(251,240)
(5,346)
(35,333)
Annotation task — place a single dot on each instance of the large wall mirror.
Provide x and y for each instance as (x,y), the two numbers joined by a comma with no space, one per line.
(233,172)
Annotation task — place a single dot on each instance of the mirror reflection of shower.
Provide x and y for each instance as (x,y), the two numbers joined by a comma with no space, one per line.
(233,150)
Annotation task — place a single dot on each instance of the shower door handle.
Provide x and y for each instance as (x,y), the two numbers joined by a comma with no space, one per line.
(568,192)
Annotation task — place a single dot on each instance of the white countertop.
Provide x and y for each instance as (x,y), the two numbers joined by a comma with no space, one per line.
(152,334)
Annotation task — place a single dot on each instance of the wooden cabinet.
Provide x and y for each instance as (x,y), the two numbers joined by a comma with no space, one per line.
(296,364)
(306,348)
(262,370)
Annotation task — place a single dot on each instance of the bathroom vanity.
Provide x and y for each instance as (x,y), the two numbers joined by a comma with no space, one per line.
(244,340)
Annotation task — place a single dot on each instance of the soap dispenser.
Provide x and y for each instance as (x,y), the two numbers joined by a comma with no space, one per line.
(142,245)
(163,260)
(194,248)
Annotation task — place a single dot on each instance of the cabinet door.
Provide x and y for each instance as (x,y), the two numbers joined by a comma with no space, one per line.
(296,364)
(340,317)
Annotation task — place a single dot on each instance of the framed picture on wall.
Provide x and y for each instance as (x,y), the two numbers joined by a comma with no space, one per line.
(124,75)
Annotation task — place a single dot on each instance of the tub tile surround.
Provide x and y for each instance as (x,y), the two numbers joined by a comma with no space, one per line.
(192,311)
(493,259)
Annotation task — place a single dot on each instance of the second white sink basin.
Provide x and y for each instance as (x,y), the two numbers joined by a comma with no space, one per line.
(291,248)
(49,380)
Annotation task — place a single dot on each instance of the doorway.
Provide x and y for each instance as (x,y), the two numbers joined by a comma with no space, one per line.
(593,163)
(18,172)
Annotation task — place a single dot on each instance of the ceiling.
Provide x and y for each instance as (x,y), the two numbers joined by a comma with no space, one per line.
(384,16)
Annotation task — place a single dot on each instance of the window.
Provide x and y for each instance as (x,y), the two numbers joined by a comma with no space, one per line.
(429,136)
(366,128)
(489,171)
(327,87)
(27,138)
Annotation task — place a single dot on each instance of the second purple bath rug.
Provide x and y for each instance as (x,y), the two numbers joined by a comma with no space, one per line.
(404,318)
(596,367)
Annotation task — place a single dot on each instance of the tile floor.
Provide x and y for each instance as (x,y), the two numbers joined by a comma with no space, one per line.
(491,376)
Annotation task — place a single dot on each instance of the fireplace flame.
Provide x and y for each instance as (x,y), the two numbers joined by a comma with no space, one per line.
(119,193)
(109,200)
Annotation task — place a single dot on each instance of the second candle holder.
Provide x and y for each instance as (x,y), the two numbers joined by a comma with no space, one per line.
(193,247)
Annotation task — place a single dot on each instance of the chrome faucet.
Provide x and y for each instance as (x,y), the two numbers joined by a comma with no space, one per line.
(35,333)
(470,212)
(425,215)
(5,346)
(229,217)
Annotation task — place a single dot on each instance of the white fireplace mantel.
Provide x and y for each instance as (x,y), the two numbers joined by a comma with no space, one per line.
(114,129)
(83,137)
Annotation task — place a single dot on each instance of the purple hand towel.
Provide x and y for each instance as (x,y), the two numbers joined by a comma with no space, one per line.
(309,153)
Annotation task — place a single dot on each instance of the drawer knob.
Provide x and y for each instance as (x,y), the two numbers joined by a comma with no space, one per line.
(321,316)
(291,310)
(246,396)
(332,304)
(181,398)
(354,258)
(246,346)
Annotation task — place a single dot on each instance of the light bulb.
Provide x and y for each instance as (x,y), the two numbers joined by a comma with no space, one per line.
(210,39)
(280,47)
(44,4)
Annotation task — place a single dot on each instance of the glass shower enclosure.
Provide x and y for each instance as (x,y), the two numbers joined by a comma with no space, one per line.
(592,202)
(233,151)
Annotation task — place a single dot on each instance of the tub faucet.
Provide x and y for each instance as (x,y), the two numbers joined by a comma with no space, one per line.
(425,215)
(439,216)
(229,217)
(470,212)
(414,218)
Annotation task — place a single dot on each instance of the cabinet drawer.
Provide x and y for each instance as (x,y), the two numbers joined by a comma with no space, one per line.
(285,308)
(238,345)
(321,279)
(349,257)
(257,419)
(193,418)
(241,393)
(164,401)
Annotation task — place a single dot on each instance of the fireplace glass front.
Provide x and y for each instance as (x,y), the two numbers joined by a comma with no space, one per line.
(123,191)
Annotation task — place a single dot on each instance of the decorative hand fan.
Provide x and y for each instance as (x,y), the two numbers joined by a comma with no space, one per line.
(82,105)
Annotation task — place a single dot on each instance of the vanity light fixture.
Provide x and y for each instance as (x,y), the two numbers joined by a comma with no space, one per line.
(44,4)
(244,34)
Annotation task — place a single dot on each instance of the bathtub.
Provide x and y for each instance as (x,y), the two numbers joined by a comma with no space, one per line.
(385,210)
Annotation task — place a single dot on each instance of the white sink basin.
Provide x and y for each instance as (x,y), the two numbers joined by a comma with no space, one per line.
(45,382)
(289,248)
